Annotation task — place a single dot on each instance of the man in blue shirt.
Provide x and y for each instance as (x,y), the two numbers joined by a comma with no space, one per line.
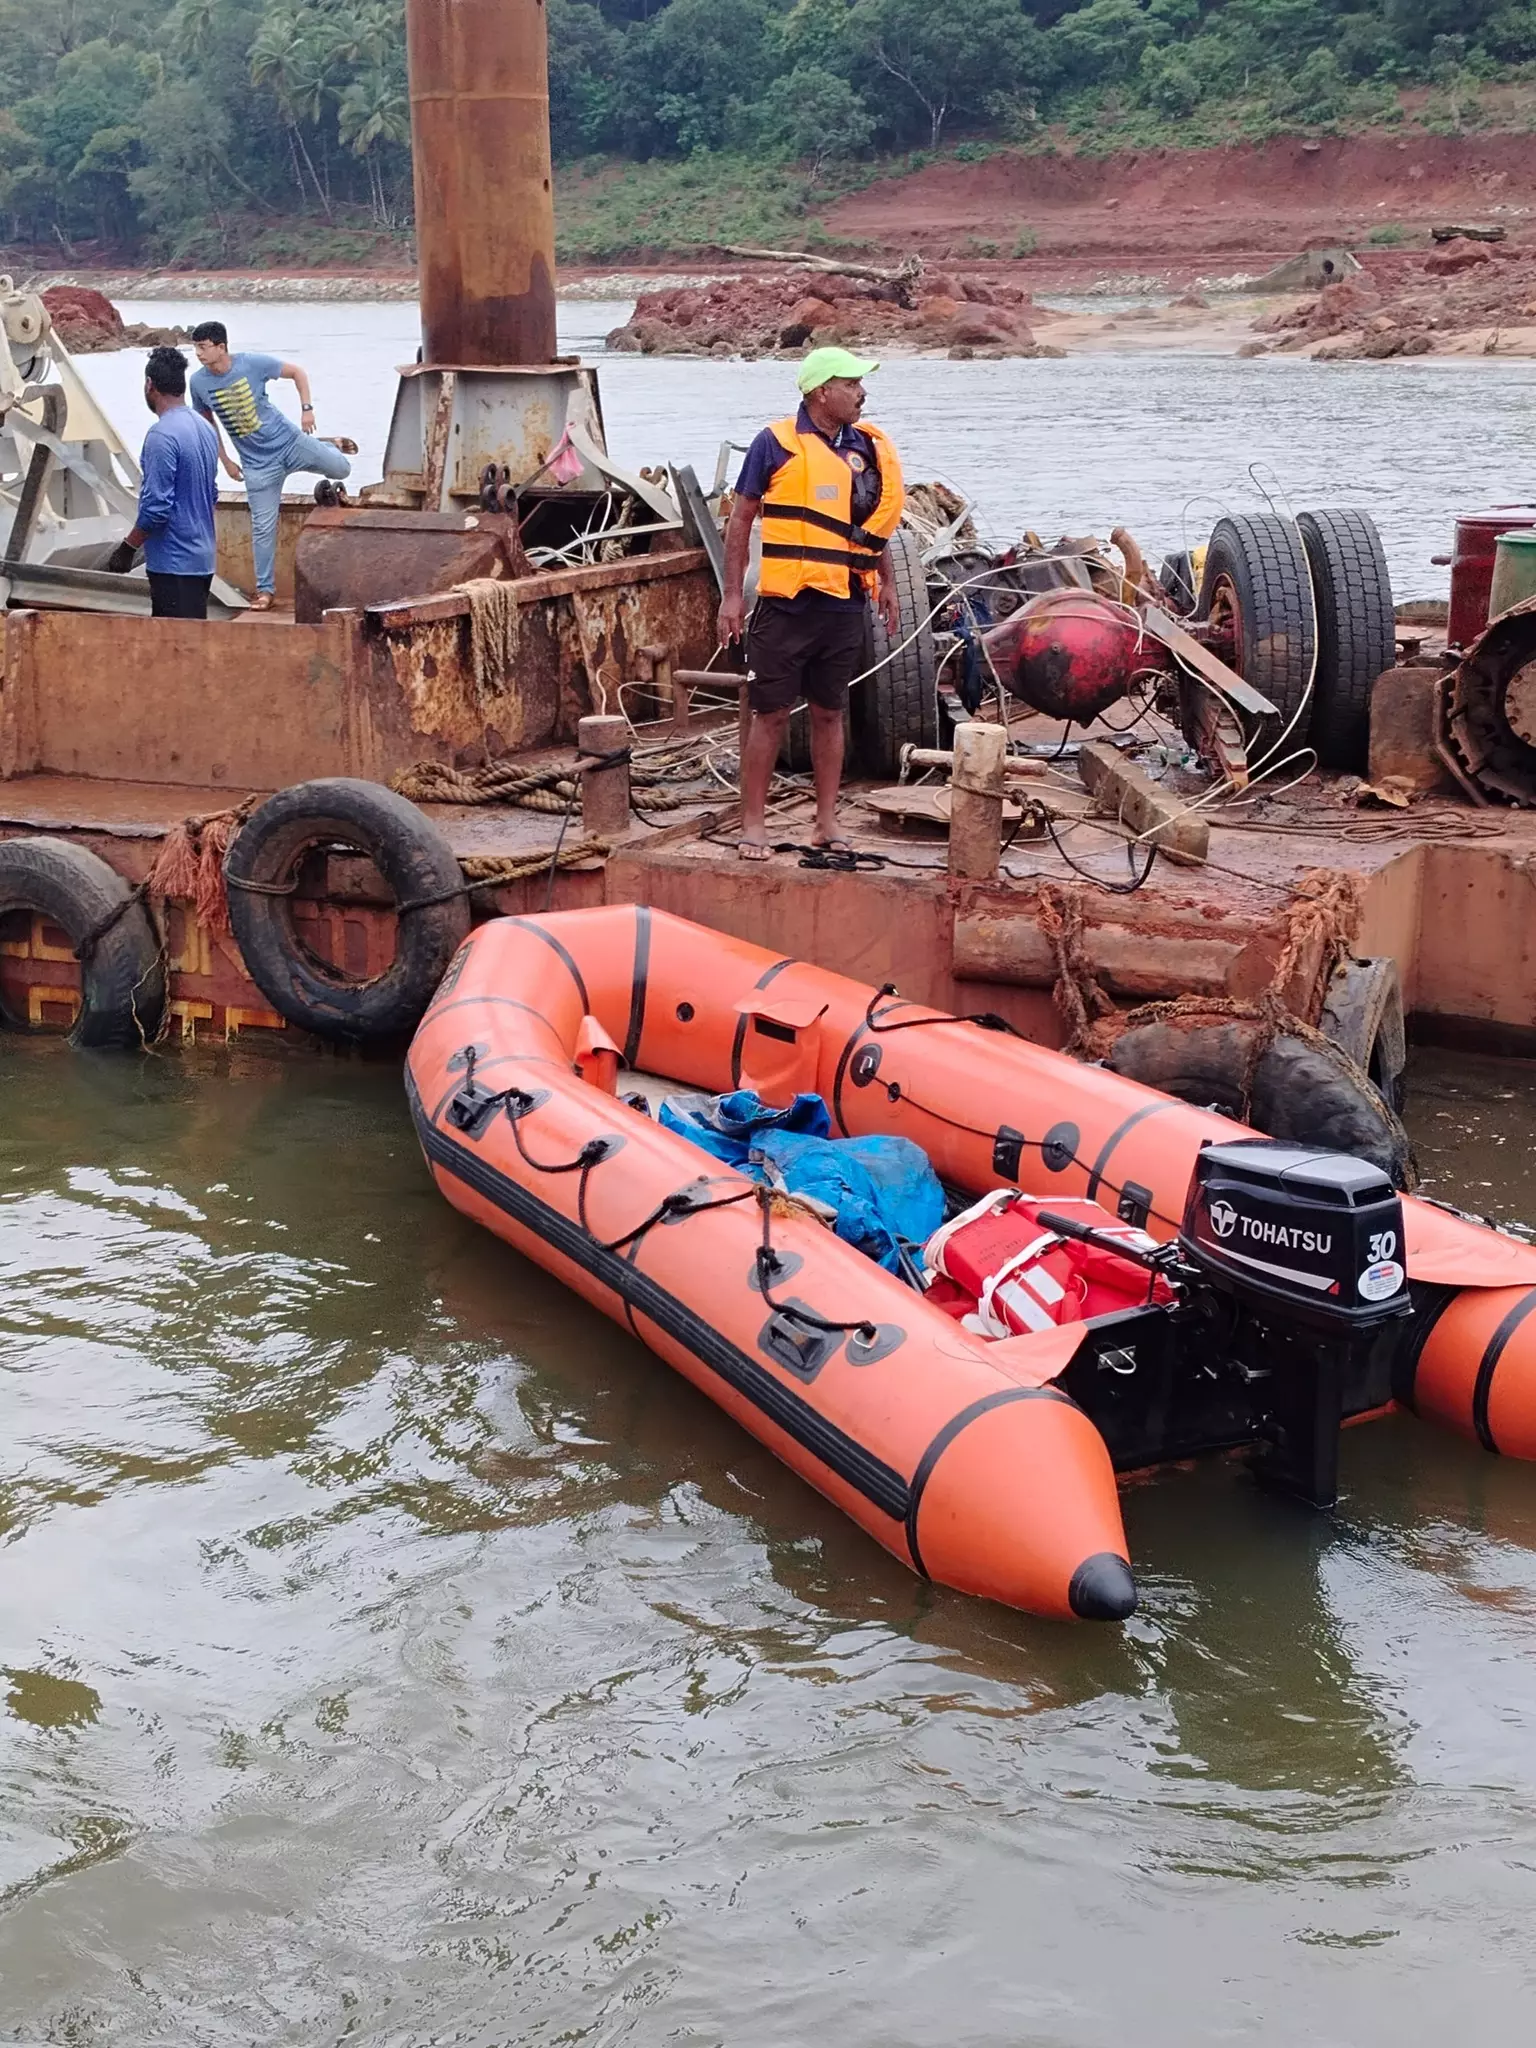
(232,390)
(179,487)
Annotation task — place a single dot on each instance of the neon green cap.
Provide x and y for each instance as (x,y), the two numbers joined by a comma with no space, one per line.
(823,364)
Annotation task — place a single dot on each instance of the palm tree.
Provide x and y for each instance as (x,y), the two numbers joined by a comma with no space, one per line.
(284,59)
(192,26)
(374,111)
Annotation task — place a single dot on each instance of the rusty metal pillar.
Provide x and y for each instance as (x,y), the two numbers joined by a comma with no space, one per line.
(485,217)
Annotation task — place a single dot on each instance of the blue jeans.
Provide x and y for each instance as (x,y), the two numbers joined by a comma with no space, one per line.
(264,489)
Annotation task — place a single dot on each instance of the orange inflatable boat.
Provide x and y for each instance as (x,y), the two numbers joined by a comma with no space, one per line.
(1285,1292)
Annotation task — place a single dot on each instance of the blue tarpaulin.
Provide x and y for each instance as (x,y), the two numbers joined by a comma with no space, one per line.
(883,1190)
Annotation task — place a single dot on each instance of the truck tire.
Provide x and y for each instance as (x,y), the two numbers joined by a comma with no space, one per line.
(1362,1015)
(899,702)
(416,861)
(1357,631)
(1305,1091)
(1256,572)
(122,969)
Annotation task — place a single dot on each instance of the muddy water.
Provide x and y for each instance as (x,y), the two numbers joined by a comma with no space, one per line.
(394,1654)
(1163,443)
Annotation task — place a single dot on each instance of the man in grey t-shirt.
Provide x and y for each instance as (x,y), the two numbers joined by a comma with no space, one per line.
(231,391)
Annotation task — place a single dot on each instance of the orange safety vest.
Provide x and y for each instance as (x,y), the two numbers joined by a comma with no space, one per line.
(809,539)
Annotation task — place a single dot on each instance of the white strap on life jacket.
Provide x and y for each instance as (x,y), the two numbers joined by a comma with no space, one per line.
(933,1251)
(1028,1311)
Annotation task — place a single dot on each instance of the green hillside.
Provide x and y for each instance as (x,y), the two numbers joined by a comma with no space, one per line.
(232,131)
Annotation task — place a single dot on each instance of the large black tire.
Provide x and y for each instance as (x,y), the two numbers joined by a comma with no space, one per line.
(1261,559)
(415,860)
(1304,1091)
(122,969)
(899,702)
(1362,1015)
(1357,631)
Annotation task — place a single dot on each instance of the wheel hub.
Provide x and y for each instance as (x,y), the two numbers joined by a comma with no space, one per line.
(1520,703)
(1224,622)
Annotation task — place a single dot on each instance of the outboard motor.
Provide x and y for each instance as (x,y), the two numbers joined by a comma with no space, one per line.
(1308,1246)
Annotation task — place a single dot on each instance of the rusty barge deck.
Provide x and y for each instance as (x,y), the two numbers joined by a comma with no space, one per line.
(1445,890)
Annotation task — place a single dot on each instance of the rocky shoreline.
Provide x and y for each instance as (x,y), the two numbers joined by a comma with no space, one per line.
(234,285)
(1466,297)
(783,311)
(1462,297)
(327,287)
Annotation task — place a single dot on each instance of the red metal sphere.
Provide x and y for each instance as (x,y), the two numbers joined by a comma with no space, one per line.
(1070,653)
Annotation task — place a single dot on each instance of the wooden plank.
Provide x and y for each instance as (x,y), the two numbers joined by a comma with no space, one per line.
(1251,702)
(1126,792)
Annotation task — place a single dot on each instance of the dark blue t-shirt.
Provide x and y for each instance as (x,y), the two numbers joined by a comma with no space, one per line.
(179,488)
(767,456)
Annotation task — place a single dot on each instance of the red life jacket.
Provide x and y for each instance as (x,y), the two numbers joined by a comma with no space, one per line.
(998,1271)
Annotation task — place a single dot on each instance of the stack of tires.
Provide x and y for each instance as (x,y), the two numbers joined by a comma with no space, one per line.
(1309,606)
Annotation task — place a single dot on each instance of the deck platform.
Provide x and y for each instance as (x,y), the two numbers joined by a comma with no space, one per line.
(1443,887)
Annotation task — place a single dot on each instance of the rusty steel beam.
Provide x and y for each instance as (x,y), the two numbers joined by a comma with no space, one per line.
(485,219)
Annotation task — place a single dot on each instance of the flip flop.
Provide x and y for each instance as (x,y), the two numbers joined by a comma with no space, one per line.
(836,844)
(263,601)
(753,849)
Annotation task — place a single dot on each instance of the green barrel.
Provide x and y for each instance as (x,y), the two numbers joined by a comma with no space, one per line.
(1514,571)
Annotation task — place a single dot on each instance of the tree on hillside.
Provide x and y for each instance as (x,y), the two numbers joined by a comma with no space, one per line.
(283,62)
(814,117)
(948,58)
(697,65)
(584,76)
(86,134)
(372,113)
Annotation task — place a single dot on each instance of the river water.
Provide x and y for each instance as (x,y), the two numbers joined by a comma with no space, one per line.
(395,1654)
(1161,443)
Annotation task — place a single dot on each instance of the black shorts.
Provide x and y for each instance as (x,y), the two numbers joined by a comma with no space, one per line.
(178,597)
(812,652)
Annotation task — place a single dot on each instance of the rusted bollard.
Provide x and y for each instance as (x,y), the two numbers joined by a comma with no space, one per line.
(604,787)
(976,801)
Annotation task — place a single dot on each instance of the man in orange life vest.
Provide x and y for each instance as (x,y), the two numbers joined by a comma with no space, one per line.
(827,487)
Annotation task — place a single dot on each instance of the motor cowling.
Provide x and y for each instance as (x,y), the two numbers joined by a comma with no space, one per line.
(1070,653)
(1307,1236)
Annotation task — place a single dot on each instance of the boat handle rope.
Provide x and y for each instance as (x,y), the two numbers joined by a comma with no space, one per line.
(768,1265)
(985,1020)
(895,1092)
(683,1201)
(473,1112)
